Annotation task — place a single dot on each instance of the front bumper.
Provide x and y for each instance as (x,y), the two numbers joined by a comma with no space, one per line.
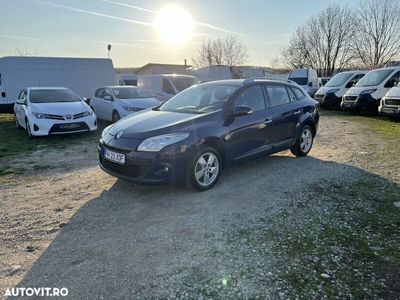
(328,100)
(43,127)
(389,111)
(360,103)
(166,166)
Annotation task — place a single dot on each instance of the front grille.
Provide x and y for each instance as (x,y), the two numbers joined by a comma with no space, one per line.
(389,101)
(350,98)
(54,117)
(319,96)
(131,168)
(68,127)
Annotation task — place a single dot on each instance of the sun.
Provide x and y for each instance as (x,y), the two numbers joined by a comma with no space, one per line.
(174,24)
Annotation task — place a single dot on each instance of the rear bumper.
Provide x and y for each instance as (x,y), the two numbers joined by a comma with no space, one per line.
(362,102)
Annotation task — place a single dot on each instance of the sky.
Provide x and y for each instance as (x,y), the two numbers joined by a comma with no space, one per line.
(156,31)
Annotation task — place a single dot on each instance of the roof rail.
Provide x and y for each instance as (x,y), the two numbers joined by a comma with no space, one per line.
(256,79)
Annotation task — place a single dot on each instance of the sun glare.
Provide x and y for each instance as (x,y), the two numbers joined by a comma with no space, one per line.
(174,24)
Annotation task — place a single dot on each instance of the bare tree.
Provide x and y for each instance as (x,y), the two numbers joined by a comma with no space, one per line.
(323,43)
(378,32)
(229,51)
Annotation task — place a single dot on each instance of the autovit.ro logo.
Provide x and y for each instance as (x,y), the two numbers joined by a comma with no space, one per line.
(36,291)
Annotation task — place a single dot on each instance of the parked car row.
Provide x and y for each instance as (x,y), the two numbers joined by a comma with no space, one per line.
(357,91)
(56,110)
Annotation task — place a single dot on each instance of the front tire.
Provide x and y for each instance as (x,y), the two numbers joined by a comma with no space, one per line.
(115,117)
(205,169)
(28,130)
(304,142)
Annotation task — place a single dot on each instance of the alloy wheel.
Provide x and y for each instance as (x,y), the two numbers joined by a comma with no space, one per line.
(306,140)
(206,169)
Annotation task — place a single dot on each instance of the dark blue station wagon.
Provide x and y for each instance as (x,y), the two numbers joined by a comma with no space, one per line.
(207,127)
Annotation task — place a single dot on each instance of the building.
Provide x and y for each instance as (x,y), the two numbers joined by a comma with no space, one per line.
(153,68)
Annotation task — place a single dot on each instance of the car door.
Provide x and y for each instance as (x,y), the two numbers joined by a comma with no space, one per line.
(250,134)
(104,103)
(94,102)
(20,107)
(286,112)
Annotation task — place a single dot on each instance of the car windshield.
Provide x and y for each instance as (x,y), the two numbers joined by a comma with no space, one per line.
(200,99)
(374,78)
(182,83)
(129,93)
(52,96)
(338,79)
(299,80)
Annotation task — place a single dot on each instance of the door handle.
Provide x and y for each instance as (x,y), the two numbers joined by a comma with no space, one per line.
(298,112)
(267,122)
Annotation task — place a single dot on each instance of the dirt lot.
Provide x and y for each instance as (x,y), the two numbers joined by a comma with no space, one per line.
(283,227)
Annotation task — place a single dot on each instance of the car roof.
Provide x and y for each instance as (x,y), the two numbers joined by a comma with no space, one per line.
(46,88)
(119,86)
(252,80)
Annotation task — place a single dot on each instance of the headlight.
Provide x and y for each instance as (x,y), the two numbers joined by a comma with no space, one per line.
(156,143)
(130,108)
(39,115)
(105,131)
(88,113)
(368,91)
(333,91)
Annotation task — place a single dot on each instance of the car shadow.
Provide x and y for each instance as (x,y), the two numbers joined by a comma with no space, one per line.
(130,237)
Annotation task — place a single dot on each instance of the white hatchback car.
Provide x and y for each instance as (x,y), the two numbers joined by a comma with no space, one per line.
(46,111)
(112,103)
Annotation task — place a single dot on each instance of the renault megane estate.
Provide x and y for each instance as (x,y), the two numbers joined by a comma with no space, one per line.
(198,132)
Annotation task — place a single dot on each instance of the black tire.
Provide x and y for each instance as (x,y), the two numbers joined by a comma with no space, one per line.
(302,146)
(195,167)
(115,116)
(28,130)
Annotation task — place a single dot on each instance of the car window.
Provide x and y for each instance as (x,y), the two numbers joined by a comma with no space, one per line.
(357,77)
(99,93)
(252,97)
(292,95)
(278,95)
(167,87)
(393,80)
(21,95)
(299,94)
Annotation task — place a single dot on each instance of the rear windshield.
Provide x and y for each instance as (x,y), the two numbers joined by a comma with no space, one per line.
(129,93)
(339,79)
(51,96)
(300,80)
(182,83)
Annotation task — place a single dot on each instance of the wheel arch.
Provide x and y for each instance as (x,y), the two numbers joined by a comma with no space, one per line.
(218,145)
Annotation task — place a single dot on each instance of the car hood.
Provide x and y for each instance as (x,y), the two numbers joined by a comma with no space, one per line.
(355,91)
(394,92)
(140,102)
(152,122)
(60,108)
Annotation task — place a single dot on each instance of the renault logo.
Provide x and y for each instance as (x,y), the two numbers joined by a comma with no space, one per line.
(118,135)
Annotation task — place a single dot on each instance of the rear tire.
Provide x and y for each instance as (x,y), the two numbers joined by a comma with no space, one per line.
(205,169)
(304,142)
(115,117)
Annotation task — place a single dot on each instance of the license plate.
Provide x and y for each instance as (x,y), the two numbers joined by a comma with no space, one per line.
(114,156)
(69,126)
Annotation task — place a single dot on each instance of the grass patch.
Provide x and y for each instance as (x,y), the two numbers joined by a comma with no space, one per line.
(14,142)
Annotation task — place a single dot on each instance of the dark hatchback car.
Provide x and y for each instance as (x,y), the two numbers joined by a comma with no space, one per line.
(207,127)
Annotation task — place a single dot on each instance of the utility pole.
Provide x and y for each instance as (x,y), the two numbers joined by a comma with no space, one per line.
(109,49)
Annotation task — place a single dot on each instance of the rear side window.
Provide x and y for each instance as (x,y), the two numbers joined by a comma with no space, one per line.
(278,95)
(292,95)
(299,93)
(252,97)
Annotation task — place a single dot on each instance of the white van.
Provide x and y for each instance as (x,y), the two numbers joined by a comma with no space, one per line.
(306,78)
(368,92)
(127,79)
(390,104)
(331,94)
(164,86)
(211,73)
(82,75)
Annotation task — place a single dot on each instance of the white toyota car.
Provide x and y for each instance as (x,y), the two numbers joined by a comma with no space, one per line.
(112,103)
(46,111)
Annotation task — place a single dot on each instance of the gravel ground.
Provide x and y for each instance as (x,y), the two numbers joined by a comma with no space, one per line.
(70,225)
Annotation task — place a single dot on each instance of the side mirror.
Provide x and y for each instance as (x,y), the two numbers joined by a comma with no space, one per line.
(3,94)
(108,98)
(242,110)
(310,84)
(86,100)
(350,84)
